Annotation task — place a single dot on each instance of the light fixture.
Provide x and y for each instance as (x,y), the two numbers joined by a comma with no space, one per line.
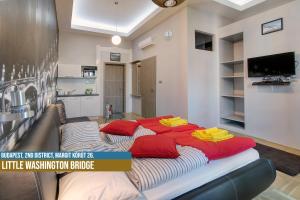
(240,2)
(19,109)
(168,3)
(116,39)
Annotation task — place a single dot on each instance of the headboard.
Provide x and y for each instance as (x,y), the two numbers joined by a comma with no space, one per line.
(42,136)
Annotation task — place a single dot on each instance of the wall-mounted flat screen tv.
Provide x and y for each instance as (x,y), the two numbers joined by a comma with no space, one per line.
(272,65)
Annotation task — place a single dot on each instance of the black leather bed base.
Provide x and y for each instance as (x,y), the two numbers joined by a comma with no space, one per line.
(244,183)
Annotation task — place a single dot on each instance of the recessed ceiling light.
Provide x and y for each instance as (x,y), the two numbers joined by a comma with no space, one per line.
(240,4)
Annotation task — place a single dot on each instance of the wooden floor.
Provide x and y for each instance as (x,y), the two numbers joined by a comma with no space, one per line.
(285,187)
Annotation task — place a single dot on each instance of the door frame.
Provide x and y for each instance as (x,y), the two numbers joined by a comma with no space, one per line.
(124,83)
(155,82)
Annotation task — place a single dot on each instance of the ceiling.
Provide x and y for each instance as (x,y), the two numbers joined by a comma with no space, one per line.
(106,17)
(240,4)
(134,17)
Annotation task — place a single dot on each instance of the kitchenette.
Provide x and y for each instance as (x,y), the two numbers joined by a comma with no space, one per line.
(78,87)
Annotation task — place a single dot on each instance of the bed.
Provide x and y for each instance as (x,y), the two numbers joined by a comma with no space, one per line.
(234,177)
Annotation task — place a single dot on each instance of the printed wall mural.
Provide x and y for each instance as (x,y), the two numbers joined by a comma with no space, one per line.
(28,58)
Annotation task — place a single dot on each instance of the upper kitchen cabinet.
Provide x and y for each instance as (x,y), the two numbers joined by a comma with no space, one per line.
(65,70)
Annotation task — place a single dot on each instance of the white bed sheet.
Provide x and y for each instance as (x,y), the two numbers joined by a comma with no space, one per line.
(198,177)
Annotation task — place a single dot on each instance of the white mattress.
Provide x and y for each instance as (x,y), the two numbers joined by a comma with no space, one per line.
(201,176)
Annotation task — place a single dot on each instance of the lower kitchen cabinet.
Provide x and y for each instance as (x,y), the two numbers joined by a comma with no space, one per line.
(84,106)
(89,106)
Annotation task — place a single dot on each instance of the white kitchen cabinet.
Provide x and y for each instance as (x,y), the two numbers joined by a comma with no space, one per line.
(90,106)
(72,106)
(65,70)
(81,106)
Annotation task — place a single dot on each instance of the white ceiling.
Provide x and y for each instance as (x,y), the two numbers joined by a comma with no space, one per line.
(106,17)
(240,4)
(134,17)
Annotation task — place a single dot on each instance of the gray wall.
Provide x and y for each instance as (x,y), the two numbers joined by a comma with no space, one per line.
(171,65)
(203,69)
(189,76)
(271,112)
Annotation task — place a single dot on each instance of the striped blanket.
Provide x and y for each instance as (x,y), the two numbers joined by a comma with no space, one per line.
(147,173)
(114,139)
(83,136)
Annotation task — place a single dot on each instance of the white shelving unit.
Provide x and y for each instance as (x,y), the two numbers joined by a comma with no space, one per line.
(232,103)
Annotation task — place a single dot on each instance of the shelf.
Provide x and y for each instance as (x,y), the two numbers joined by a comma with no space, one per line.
(232,126)
(234,76)
(232,95)
(266,83)
(234,117)
(232,62)
(73,77)
(78,95)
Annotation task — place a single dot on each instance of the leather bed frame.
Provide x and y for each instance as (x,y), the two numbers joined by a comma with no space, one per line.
(244,183)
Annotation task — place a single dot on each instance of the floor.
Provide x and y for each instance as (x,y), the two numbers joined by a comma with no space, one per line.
(285,187)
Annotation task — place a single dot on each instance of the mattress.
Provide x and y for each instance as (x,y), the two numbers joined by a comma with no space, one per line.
(200,176)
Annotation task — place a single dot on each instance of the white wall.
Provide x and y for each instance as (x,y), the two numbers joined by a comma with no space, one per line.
(271,112)
(203,69)
(171,61)
(189,76)
(80,49)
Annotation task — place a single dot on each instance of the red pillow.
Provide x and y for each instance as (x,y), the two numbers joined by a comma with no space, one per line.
(120,127)
(217,150)
(154,146)
(158,129)
(153,120)
(187,127)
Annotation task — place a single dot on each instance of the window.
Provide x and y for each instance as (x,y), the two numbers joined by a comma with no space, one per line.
(203,41)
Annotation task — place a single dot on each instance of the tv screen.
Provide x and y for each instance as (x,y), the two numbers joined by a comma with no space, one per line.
(272,65)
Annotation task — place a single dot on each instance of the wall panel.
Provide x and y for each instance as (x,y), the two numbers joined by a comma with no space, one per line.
(28,44)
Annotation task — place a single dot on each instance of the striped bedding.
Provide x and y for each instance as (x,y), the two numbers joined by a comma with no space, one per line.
(114,139)
(147,173)
(83,136)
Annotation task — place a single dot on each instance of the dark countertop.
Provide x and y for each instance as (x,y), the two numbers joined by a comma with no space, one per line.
(77,95)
